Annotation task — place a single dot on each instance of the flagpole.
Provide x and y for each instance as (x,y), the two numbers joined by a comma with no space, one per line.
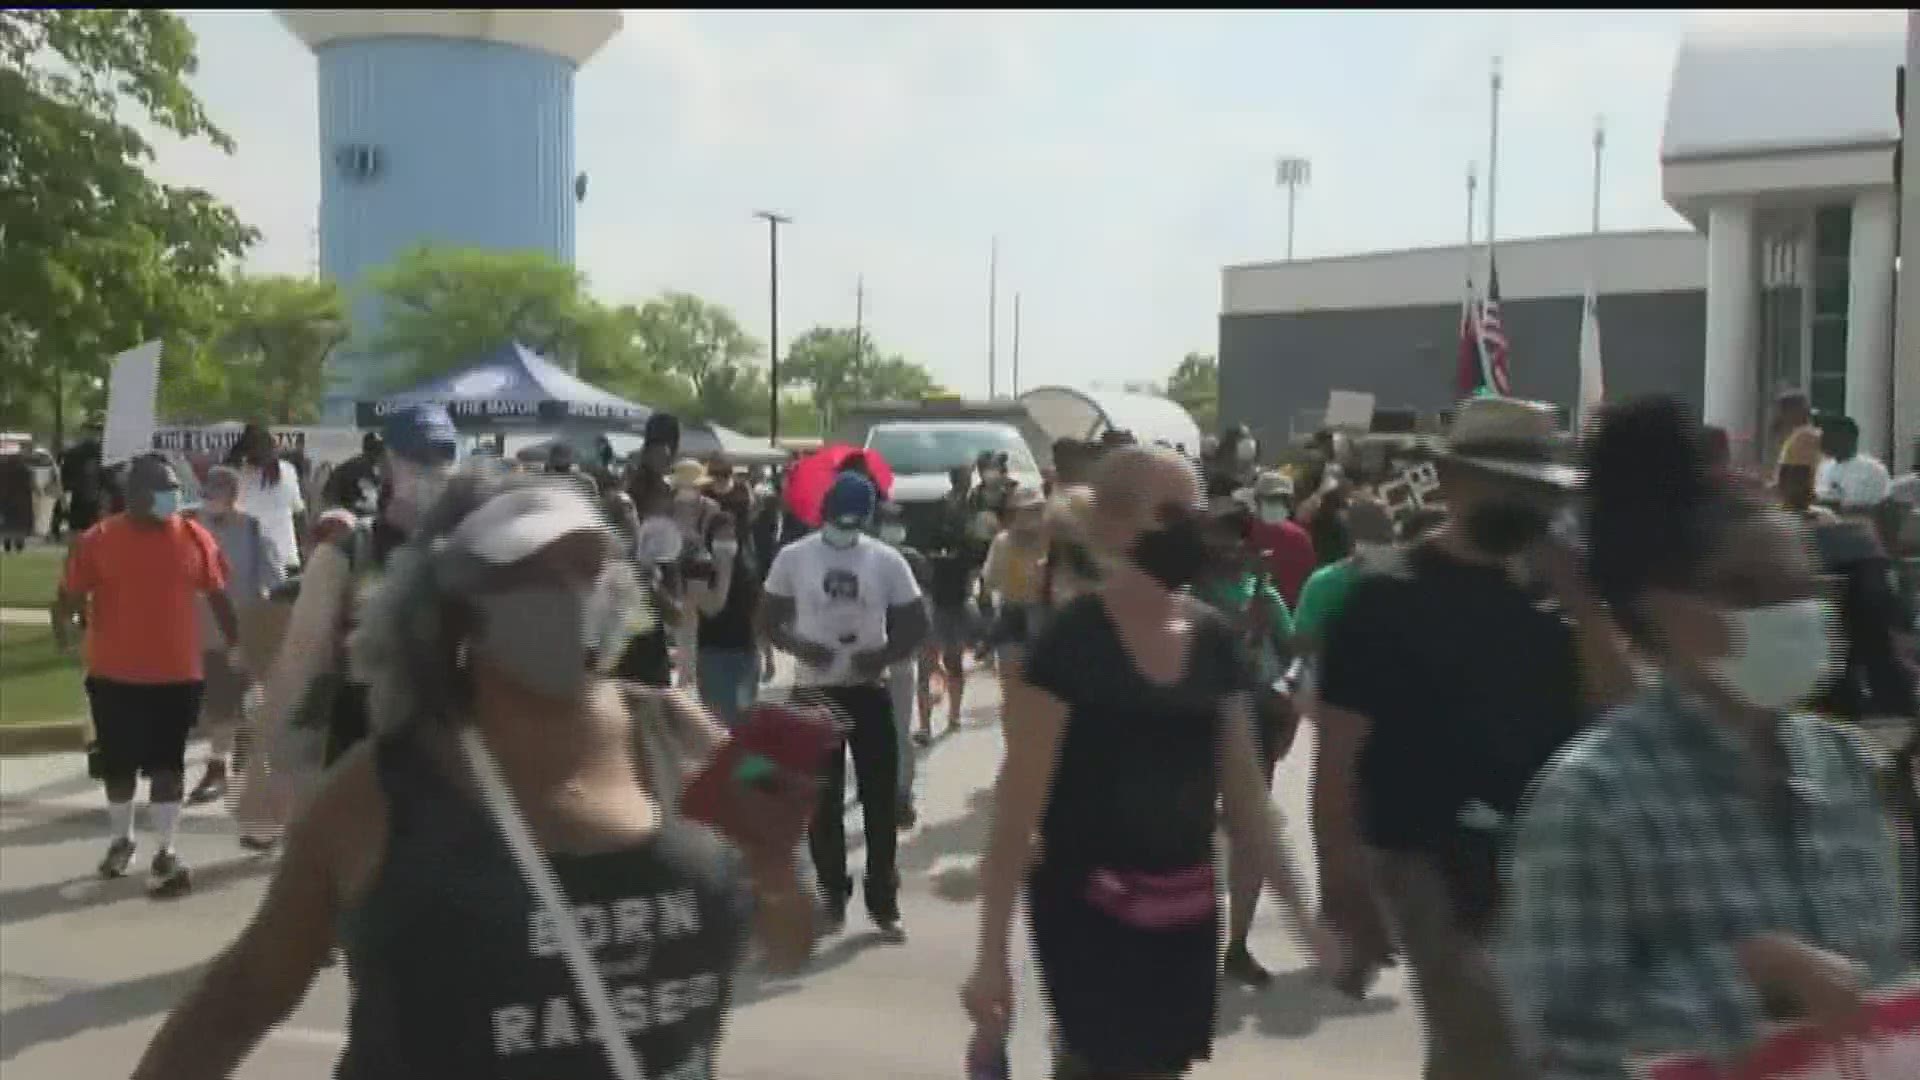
(1493,158)
(1473,184)
(993,320)
(1599,148)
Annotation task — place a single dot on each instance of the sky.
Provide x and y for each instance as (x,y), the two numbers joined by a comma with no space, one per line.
(1121,159)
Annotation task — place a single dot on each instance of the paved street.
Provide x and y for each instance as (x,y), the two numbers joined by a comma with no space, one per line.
(87,968)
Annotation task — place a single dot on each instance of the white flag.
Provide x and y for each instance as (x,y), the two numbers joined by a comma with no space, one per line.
(1592,385)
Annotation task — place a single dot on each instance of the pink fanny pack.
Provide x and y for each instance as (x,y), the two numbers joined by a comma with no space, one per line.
(1154,901)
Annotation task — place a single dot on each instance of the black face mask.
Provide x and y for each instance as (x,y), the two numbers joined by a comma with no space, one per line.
(1173,554)
(1505,528)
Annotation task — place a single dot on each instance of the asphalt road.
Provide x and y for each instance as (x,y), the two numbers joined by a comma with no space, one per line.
(88,968)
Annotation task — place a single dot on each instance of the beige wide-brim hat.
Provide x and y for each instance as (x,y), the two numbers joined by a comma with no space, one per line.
(1512,437)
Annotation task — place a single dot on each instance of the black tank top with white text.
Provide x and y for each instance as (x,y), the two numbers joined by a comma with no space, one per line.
(457,972)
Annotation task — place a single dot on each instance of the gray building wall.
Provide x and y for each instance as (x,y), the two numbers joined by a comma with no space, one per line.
(1277,368)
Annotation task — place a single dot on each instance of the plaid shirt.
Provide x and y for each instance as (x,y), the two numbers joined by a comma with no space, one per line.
(1646,853)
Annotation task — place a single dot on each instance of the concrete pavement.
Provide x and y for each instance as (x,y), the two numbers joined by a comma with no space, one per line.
(88,968)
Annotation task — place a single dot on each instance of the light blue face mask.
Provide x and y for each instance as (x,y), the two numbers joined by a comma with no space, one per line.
(840,535)
(166,503)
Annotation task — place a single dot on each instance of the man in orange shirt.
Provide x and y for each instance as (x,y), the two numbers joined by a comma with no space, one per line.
(138,575)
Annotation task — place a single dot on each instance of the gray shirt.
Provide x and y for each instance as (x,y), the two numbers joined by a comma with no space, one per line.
(253,567)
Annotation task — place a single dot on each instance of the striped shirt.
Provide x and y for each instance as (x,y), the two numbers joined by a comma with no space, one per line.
(1650,849)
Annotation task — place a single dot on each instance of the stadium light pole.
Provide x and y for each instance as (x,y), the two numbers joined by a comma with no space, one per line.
(1292,173)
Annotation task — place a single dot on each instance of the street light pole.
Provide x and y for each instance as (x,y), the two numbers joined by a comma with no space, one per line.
(1292,173)
(774,221)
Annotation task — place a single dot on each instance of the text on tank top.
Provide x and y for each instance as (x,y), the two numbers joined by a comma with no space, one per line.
(457,971)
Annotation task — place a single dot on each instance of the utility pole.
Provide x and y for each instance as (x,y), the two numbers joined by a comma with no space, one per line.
(774,221)
(859,326)
(1016,344)
(1292,173)
(993,320)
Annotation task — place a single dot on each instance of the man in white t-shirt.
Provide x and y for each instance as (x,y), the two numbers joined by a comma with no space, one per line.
(847,606)
(1849,481)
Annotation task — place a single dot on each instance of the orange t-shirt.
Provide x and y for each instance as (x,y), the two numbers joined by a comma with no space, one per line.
(143,581)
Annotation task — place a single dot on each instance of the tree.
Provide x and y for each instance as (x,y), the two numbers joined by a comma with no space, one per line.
(273,336)
(842,370)
(1195,387)
(444,306)
(704,344)
(95,256)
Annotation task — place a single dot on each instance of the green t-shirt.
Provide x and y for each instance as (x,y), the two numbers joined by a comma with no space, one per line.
(1322,597)
(1231,597)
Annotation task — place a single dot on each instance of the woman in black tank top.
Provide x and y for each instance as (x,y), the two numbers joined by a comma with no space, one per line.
(484,653)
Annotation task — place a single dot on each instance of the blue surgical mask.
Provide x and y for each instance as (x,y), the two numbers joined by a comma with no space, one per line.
(166,503)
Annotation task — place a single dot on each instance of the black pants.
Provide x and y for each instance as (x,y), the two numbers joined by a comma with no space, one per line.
(868,713)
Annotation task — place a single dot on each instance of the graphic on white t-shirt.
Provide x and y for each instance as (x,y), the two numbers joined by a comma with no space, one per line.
(841,597)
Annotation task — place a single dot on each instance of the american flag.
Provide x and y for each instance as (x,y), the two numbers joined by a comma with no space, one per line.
(1494,377)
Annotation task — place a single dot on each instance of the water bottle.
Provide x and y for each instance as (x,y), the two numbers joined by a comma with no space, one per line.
(987,1058)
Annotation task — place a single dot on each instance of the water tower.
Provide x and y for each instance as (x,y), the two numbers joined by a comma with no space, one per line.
(441,127)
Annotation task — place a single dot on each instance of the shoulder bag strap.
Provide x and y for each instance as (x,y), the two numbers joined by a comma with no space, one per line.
(541,880)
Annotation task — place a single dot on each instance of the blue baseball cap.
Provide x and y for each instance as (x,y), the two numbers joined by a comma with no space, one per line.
(422,433)
(850,501)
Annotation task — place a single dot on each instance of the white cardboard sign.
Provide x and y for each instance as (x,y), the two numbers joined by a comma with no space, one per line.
(1349,410)
(133,397)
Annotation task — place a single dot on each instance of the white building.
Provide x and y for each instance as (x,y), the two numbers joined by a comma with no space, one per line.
(1780,147)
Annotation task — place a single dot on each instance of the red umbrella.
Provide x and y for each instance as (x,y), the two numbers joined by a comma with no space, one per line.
(811,476)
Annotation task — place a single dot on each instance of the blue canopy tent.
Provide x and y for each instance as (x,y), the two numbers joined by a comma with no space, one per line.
(513,387)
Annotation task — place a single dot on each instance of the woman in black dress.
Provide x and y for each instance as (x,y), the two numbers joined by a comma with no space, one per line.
(1133,722)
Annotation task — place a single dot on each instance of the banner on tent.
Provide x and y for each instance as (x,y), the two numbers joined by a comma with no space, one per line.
(469,411)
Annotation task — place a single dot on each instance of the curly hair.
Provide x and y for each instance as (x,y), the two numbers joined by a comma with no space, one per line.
(408,645)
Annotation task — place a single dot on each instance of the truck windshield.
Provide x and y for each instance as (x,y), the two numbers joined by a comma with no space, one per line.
(935,448)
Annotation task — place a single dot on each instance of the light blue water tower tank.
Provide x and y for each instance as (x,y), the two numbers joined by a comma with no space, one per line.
(440,127)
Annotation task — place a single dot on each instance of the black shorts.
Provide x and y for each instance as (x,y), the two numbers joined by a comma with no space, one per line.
(142,727)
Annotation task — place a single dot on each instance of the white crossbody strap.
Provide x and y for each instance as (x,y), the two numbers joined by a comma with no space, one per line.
(540,878)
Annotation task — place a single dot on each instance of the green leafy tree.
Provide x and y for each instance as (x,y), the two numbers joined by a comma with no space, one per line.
(444,306)
(272,339)
(703,343)
(96,256)
(842,368)
(1195,387)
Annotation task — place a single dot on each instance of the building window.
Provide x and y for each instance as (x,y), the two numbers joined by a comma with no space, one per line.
(1827,362)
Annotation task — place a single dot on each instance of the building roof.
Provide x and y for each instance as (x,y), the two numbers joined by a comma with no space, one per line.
(1652,261)
(1785,87)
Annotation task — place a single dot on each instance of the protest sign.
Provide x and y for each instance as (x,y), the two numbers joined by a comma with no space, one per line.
(133,396)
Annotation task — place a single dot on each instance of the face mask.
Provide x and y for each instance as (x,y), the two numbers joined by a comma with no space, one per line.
(839,536)
(1172,554)
(1781,653)
(219,507)
(541,636)
(1504,528)
(1244,451)
(165,505)
(416,487)
(893,534)
(725,550)
(1273,512)
(1368,550)
(990,476)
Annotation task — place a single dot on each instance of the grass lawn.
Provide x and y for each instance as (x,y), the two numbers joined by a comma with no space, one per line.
(38,682)
(28,578)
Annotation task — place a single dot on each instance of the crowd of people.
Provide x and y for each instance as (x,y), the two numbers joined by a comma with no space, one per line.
(1566,767)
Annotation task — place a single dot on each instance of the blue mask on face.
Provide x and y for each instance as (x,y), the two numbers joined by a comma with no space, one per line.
(165,504)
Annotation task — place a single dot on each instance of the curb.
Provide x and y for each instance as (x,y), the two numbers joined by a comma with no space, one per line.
(17,740)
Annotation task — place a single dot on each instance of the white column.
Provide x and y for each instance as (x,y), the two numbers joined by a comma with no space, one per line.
(1870,320)
(1906,366)
(1732,326)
